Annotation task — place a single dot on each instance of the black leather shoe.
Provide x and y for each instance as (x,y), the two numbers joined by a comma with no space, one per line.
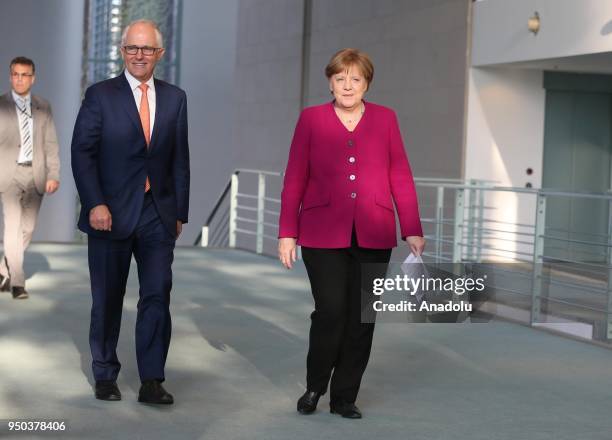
(152,391)
(308,402)
(345,409)
(107,390)
(19,292)
(5,284)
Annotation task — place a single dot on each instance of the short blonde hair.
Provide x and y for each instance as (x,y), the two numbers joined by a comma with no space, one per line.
(158,35)
(346,58)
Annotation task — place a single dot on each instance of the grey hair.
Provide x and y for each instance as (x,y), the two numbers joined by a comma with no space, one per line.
(158,34)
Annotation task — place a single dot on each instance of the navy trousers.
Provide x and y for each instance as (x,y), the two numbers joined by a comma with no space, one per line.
(152,246)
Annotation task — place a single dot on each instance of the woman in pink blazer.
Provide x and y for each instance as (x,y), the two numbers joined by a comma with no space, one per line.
(347,165)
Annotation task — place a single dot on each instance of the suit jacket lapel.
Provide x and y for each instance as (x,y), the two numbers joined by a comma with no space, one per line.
(128,103)
(8,107)
(36,118)
(160,100)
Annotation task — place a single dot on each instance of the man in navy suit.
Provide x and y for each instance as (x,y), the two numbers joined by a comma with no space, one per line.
(130,160)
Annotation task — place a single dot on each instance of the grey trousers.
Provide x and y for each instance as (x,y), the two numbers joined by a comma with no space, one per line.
(20,206)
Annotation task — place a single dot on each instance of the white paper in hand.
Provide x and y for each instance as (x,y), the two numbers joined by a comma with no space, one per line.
(411,259)
(413,267)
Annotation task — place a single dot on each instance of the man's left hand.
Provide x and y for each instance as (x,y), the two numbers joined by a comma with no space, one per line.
(179,228)
(51,186)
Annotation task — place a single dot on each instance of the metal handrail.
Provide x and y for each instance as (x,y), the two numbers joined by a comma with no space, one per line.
(470,228)
(231,190)
(212,215)
(253,171)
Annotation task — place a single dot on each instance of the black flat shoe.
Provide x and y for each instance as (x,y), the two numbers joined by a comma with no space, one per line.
(308,402)
(107,390)
(19,292)
(345,409)
(5,284)
(152,391)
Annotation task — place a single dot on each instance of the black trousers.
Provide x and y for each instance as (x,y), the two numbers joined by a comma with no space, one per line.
(339,343)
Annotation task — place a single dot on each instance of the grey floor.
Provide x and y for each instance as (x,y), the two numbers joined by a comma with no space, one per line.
(236,364)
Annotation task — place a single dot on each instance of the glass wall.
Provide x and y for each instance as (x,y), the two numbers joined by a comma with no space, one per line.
(104,23)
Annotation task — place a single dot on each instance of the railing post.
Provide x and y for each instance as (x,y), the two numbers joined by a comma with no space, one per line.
(538,258)
(261,194)
(471,217)
(204,237)
(480,225)
(458,230)
(439,225)
(609,249)
(233,210)
(608,329)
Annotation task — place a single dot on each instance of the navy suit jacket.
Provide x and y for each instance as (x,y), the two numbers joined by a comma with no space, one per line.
(111,161)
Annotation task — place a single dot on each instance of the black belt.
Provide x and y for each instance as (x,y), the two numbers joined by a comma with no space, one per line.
(25,164)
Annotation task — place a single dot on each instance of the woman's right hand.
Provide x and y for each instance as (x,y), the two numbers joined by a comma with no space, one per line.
(287,251)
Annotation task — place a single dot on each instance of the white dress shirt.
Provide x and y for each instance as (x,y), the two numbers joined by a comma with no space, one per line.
(134,83)
(28,104)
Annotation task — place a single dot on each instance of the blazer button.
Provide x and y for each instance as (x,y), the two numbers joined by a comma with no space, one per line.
(352,177)
(351,159)
(353,195)
(350,143)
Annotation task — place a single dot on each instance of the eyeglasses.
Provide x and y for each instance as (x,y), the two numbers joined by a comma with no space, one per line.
(146,50)
(21,75)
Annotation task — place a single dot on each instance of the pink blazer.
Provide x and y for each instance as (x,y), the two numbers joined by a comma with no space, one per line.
(336,178)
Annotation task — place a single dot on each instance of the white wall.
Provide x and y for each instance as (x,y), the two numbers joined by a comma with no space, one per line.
(50,33)
(568,27)
(505,125)
(506,102)
(505,135)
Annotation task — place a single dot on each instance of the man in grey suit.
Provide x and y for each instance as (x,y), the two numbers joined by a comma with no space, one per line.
(29,168)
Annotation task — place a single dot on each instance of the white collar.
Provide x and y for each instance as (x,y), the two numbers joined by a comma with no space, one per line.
(27,98)
(134,83)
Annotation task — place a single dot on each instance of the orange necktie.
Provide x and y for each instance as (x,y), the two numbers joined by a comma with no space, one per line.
(145,120)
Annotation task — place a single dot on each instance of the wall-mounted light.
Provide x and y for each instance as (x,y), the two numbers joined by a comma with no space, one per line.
(534,23)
